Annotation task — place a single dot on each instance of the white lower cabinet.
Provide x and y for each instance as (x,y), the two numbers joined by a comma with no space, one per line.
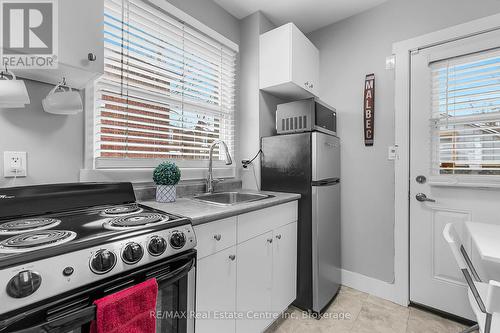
(284,267)
(216,291)
(253,277)
(254,283)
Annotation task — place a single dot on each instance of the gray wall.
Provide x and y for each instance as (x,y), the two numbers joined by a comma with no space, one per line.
(55,143)
(256,109)
(247,120)
(212,15)
(349,50)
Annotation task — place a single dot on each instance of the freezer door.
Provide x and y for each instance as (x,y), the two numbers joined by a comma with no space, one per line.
(325,243)
(325,156)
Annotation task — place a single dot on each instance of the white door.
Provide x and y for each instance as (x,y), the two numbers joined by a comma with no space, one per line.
(216,291)
(455,146)
(284,267)
(254,283)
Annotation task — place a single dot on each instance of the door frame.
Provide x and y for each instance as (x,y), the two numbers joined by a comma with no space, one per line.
(402,102)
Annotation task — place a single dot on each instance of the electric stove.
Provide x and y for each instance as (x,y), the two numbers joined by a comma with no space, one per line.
(56,238)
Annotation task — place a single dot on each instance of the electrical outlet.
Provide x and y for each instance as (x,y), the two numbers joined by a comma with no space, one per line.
(14,164)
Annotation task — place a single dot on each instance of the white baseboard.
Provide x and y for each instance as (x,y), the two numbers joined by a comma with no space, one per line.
(372,286)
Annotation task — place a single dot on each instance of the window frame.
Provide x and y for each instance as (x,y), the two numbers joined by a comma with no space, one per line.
(138,170)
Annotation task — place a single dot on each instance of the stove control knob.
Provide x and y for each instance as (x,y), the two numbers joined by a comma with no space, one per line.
(102,261)
(177,239)
(24,284)
(132,253)
(157,245)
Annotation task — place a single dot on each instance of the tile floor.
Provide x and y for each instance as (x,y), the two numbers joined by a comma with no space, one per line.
(356,312)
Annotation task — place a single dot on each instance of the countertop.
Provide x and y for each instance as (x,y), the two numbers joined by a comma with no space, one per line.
(200,212)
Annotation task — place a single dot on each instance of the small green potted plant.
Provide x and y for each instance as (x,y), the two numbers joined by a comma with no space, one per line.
(166,176)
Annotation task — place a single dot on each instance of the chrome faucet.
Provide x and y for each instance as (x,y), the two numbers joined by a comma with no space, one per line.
(229,161)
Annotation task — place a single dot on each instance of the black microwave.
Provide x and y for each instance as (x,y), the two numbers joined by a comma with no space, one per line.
(306,115)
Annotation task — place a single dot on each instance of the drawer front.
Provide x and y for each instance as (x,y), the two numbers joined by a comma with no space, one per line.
(215,236)
(261,221)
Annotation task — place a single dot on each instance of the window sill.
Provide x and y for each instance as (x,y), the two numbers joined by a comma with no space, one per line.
(145,175)
(465,181)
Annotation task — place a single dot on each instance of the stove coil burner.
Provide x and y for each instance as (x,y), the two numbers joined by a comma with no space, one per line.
(135,221)
(27,225)
(121,210)
(35,240)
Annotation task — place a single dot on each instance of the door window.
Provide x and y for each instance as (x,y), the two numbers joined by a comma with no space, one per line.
(465,123)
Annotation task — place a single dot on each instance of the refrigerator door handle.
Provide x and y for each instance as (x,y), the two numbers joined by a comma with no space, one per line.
(325,182)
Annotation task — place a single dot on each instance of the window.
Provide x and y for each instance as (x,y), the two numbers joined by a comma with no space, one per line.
(167,91)
(466,115)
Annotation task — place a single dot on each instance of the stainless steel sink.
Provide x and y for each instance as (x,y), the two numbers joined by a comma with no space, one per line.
(230,198)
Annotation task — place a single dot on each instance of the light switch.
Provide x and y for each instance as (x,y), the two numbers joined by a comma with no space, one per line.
(390,62)
(392,153)
(14,164)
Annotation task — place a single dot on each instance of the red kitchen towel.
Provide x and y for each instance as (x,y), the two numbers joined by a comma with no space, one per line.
(127,311)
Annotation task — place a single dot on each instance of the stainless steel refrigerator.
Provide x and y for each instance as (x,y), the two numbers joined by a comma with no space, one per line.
(309,164)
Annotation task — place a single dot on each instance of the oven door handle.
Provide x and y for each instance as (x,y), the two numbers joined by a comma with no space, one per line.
(174,275)
(65,323)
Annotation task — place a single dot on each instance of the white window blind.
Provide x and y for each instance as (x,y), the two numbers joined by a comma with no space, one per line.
(466,115)
(168,89)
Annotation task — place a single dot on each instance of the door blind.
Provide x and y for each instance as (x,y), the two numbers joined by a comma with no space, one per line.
(466,115)
(167,89)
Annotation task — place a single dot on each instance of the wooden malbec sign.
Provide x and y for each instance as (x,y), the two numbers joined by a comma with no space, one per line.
(369,109)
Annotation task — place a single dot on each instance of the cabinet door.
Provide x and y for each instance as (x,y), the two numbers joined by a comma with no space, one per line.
(81,33)
(215,236)
(275,57)
(80,28)
(284,266)
(254,283)
(305,62)
(216,291)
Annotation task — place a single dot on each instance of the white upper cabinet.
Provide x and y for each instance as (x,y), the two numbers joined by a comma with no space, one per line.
(80,30)
(289,63)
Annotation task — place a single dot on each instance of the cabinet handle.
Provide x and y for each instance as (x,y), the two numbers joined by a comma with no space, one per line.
(91,57)
(278,236)
(269,240)
(217,237)
(311,86)
(306,84)
(232,257)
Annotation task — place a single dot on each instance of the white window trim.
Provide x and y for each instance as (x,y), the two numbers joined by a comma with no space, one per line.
(128,171)
(476,181)
(399,291)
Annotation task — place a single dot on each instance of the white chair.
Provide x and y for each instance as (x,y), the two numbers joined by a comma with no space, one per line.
(483,297)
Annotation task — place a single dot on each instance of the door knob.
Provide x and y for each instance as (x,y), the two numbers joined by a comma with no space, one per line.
(423,198)
(217,237)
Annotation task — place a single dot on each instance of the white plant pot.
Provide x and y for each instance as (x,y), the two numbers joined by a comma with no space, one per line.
(165,193)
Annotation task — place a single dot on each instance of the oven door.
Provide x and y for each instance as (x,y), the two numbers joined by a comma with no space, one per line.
(175,303)
(74,311)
